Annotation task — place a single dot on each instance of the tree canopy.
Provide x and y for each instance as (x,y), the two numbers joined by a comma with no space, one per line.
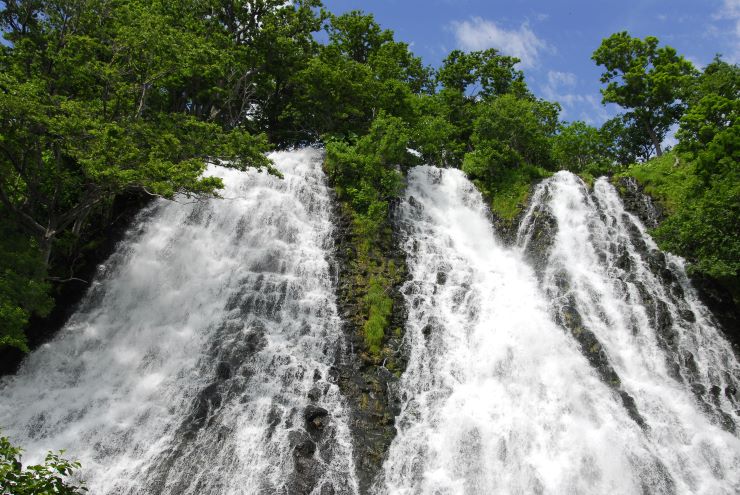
(650,81)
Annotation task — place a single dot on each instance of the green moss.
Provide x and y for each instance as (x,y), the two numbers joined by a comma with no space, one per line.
(588,178)
(509,201)
(509,190)
(379,307)
(667,179)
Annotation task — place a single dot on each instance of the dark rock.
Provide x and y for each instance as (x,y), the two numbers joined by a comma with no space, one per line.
(730,392)
(364,379)
(637,202)
(223,371)
(302,444)
(307,468)
(327,489)
(698,388)
(714,294)
(315,416)
(314,394)
(441,277)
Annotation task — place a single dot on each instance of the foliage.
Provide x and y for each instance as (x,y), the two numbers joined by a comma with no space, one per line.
(705,230)
(627,143)
(510,132)
(650,81)
(51,477)
(579,147)
(367,175)
(663,180)
(710,129)
(100,98)
(23,289)
(513,146)
(483,74)
(379,307)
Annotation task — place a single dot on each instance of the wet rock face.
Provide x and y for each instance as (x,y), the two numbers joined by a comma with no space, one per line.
(316,417)
(544,228)
(569,318)
(369,384)
(637,202)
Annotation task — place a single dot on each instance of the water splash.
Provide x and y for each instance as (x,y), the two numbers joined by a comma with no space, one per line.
(189,365)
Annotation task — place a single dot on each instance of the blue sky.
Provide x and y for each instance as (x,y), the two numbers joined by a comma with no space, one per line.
(555,39)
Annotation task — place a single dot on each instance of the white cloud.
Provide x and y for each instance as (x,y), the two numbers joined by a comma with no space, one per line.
(557,79)
(479,34)
(730,11)
(576,106)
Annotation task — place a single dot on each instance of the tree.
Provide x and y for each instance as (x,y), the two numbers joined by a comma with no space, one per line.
(510,132)
(627,142)
(651,81)
(710,129)
(357,35)
(23,285)
(49,478)
(87,111)
(578,146)
(482,74)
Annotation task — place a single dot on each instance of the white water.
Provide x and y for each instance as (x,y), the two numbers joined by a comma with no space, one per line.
(659,338)
(187,367)
(496,397)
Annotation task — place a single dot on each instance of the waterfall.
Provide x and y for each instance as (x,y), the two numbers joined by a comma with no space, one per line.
(606,279)
(497,398)
(199,361)
(579,361)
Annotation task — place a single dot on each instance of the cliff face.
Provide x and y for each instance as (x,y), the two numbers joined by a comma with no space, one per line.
(712,293)
(369,380)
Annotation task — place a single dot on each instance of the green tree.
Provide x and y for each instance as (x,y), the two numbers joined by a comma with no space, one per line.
(359,74)
(357,35)
(23,285)
(650,81)
(510,132)
(627,143)
(481,73)
(579,147)
(710,129)
(367,174)
(86,112)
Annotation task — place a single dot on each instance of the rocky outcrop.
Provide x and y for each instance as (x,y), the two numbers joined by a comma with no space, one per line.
(367,381)
(640,204)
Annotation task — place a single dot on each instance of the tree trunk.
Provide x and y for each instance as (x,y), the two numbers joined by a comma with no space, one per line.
(654,139)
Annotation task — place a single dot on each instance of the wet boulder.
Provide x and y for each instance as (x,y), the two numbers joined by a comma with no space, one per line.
(316,417)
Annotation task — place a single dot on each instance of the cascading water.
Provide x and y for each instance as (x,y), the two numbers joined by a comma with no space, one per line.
(199,360)
(496,397)
(606,279)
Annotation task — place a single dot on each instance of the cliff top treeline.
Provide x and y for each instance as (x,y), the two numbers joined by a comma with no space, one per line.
(103,99)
